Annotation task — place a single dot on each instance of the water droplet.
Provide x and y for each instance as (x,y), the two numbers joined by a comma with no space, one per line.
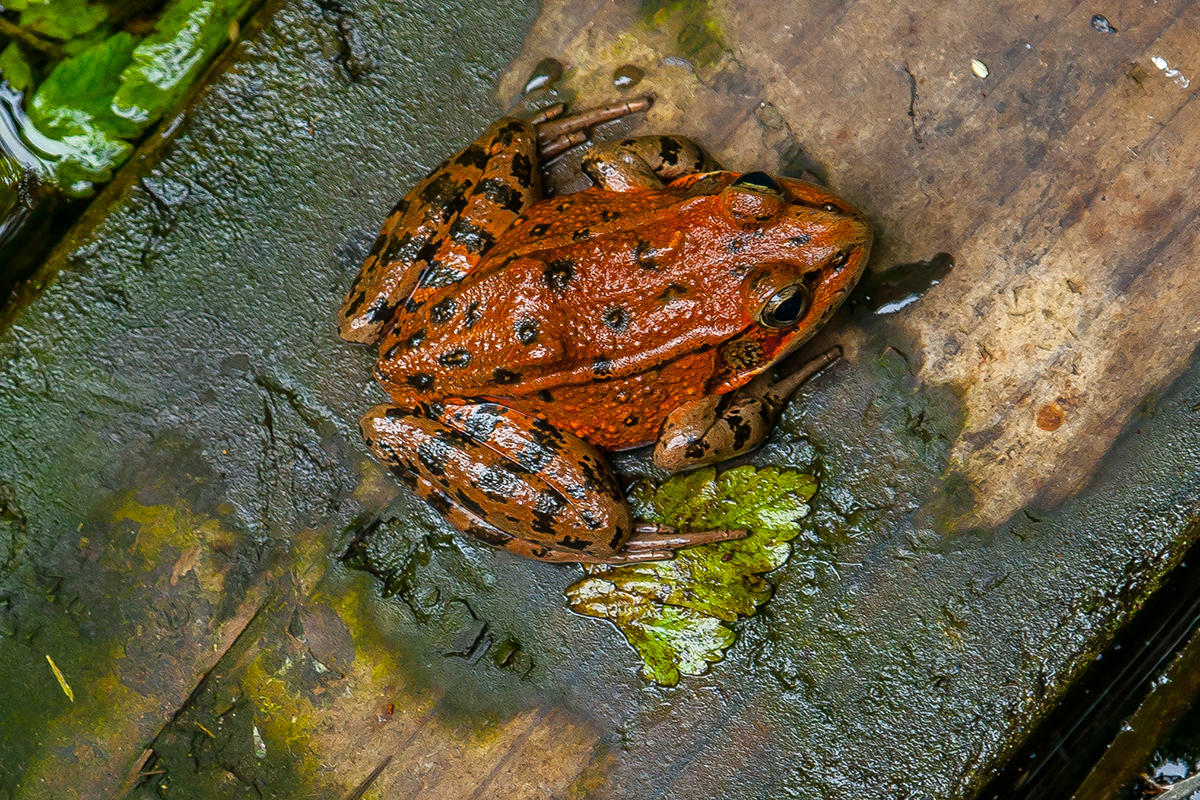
(545,73)
(979,68)
(627,75)
(904,284)
(1101,24)
(260,746)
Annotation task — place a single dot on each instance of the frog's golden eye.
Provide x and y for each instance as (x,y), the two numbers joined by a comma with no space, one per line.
(786,307)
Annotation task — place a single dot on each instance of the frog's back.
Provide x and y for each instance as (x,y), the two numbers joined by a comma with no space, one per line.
(583,291)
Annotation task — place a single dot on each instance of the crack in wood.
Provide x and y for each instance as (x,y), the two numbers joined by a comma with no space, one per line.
(250,630)
(912,103)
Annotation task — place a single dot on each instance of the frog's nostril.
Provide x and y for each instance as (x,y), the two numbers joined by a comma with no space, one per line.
(831,208)
(840,259)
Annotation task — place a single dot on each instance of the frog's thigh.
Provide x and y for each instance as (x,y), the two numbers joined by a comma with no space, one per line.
(513,480)
(444,226)
(646,162)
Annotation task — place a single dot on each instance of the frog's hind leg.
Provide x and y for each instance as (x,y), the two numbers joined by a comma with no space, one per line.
(557,133)
(516,482)
(720,426)
(512,480)
(443,227)
(645,162)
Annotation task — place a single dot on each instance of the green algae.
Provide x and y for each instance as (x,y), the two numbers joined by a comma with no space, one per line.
(17,73)
(71,108)
(165,64)
(69,20)
(698,33)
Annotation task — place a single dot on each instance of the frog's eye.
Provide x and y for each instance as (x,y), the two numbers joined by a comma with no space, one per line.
(785,307)
(754,197)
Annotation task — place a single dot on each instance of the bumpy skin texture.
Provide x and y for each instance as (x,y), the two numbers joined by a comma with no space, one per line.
(519,336)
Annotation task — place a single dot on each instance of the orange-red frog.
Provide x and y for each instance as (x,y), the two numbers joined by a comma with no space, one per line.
(520,336)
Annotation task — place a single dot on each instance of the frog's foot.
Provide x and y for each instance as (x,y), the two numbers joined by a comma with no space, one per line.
(644,162)
(649,537)
(718,427)
(557,133)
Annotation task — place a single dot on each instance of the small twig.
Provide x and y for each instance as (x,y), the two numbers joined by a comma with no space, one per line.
(361,789)
(32,39)
(135,774)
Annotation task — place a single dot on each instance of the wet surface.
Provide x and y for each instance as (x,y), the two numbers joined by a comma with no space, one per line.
(181,473)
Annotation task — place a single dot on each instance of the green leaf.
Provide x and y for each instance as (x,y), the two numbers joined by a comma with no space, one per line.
(14,68)
(10,179)
(60,19)
(677,614)
(185,38)
(72,115)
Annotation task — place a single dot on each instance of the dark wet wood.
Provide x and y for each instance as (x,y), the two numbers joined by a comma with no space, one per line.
(1009,462)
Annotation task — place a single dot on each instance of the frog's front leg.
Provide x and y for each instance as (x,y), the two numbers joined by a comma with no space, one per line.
(515,481)
(644,162)
(718,427)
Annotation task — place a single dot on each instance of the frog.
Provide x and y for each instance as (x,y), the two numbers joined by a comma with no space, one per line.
(523,336)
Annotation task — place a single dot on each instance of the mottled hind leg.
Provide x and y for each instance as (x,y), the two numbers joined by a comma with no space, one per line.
(718,427)
(646,162)
(471,523)
(516,482)
(444,227)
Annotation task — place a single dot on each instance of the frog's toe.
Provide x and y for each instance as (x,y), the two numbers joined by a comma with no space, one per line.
(674,540)
(548,130)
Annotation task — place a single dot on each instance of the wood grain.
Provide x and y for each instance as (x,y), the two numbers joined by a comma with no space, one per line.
(1008,466)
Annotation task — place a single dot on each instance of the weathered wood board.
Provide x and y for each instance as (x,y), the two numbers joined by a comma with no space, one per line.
(1007,466)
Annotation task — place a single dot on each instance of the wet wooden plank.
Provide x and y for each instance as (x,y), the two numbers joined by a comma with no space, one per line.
(1008,465)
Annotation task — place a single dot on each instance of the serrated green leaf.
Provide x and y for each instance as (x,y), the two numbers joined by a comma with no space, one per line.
(15,68)
(676,614)
(185,38)
(671,640)
(61,19)
(72,114)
